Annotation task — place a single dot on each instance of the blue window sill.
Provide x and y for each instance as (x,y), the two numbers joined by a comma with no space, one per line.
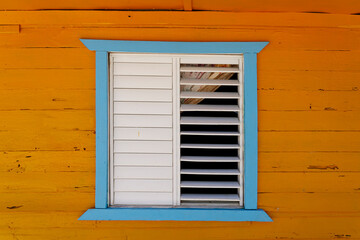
(176,214)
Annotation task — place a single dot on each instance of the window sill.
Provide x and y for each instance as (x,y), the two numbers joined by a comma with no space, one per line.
(176,214)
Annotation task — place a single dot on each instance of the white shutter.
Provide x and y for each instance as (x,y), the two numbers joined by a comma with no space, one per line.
(211,131)
(176,130)
(141,130)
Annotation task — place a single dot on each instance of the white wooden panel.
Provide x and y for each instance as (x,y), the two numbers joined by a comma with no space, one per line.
(142,159)
(209,60)
(143,172)
(120,57)
(139,95)
(142,108)
(143,133)
(142,121)
(141,69)
(142,82)
(210,133)
(137,185)
(143,146)
(142,198)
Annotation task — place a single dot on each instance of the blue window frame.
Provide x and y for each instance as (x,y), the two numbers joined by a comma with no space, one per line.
(102,211)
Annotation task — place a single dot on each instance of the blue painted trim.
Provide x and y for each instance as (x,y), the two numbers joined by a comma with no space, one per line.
(250,131)
(101,211)
(176,214)
(174,47)
(102,149)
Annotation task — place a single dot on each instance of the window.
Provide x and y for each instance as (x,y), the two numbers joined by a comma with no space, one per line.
(176,131)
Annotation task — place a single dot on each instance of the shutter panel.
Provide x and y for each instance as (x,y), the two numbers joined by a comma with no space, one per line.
(141,130)
(211,131)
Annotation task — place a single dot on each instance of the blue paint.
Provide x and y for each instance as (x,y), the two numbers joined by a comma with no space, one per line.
(102,211)
(173,47)
(102,145)
(176,214)
(250,131)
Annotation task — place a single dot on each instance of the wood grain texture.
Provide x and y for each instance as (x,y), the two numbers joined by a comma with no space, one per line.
(308,93)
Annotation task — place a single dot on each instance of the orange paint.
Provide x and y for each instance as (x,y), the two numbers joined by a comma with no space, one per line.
(309,102)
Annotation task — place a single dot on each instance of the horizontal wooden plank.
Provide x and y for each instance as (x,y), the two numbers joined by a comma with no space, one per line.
(142,159)
(309,182)
(268,100)
(48,161)
(71,120)
(142,146)
(142,108)
(142,198)
(61,34)
(347,7)
(17,180)
(142,81)
(139,95)
(46,99)
(309,100)
(143,121)
(143,133)
(143,69)
(283,226)
(308,204)
(137,185)
(309,161)
(330,120)
(180,18)
(271,141)
(73,58)
(47,140)
(142,172)
(309,141)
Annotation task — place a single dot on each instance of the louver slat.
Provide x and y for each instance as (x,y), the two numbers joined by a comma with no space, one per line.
(209,159)
(216,95)
(209,108)
(210,69)
(210,146)
(210,120)
(209,82)
(210,171)
(209,184)
(210,133)
(210,197)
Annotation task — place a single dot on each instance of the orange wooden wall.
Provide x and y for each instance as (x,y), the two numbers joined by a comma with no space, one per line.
(309,122)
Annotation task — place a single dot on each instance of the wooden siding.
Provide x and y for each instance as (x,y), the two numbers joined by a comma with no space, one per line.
(309,131)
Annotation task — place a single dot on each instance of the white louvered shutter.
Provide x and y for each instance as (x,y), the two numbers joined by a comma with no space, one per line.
(141,131)
(211,131)
(176,130)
